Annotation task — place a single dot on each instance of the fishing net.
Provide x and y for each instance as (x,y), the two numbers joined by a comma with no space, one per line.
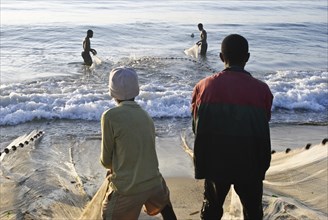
(192,51)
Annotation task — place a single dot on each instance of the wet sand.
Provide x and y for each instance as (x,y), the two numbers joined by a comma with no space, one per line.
(295,188)
(56,176)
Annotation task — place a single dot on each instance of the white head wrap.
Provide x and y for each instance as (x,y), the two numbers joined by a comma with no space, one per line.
(123,83)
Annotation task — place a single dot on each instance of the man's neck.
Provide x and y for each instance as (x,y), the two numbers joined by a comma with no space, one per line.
(233,66)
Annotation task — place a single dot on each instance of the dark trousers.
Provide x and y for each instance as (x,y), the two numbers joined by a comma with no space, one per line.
(203,49)
(250,195)
(87,58)
(168,213)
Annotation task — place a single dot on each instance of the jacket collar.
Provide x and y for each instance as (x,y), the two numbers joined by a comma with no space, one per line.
(237,69)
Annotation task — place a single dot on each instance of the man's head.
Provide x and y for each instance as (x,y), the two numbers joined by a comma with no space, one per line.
(90,33)
(200,26)
(123,84)
(234,50)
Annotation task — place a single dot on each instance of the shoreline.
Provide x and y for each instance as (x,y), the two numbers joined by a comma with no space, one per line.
(283,135)
(56,176)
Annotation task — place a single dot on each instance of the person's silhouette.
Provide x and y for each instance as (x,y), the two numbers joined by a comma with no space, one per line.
(87,49)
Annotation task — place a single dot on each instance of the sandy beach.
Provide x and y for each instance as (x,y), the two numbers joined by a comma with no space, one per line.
(295,188)
(58,176)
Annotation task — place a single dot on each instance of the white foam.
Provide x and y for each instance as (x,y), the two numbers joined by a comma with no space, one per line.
(168,97)
(301,90)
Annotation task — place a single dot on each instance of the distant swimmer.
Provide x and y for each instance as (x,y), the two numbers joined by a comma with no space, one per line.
(203,40)
(87,49)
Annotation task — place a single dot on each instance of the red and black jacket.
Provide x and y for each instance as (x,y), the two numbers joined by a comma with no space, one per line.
(231,112)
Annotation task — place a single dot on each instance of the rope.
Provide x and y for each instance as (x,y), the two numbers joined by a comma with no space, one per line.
(177,58)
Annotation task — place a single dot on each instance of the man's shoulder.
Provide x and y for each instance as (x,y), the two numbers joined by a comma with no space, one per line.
(260,83)
(250,78)
(206,81)
(123,108)
(110,111)
(212,77)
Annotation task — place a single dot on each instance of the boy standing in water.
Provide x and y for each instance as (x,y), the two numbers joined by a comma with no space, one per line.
(231,112)
(87,49)
(128,151)
(203,40)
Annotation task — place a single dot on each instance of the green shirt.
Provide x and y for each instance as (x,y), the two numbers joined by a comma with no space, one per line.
(128,148)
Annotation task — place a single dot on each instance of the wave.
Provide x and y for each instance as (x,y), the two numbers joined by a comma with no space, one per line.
(299,96)
(299,90)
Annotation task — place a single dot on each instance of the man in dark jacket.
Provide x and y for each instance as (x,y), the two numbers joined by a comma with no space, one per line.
(231,112)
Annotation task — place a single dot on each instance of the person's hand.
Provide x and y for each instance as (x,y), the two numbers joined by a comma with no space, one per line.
(109,172)
(94,52)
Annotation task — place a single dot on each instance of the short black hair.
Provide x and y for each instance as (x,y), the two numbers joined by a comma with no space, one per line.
(234,48)
(89,32)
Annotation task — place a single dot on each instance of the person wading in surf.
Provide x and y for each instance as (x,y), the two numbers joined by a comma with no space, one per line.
(87,49)
(203,40)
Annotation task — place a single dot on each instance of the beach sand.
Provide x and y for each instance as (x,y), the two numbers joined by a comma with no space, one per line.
(56,176)
(295,188)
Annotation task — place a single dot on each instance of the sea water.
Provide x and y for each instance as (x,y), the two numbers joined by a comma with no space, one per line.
(43,79)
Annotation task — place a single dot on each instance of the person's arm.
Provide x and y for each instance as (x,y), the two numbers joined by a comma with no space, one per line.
(194,108)
(107,143)
(203,38)
(268,104)
(93,51)
(86,44)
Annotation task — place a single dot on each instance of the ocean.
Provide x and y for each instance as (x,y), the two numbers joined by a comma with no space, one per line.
(45,87)
(43,79)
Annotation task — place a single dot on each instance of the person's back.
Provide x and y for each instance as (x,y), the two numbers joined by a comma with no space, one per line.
(128,152)
(135,166)
(231,111)
(232,125)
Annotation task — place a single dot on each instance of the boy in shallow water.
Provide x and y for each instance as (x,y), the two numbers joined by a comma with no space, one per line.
(87,49)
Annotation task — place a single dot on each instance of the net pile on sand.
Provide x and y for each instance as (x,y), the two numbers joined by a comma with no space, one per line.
(297,182)
(295,188)
(295,185)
